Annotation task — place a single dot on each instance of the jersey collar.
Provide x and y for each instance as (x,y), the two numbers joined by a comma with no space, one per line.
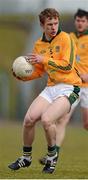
(81,34)
(44,38)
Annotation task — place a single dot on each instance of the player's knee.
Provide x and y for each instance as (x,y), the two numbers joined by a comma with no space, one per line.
(29,121)
(45,121)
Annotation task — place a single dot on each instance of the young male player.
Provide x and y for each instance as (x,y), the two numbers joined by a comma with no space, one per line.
(54,54)
(80,37)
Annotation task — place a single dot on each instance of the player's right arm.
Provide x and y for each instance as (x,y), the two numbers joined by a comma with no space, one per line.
(38,68)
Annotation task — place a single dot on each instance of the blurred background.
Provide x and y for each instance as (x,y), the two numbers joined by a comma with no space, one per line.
(19,29)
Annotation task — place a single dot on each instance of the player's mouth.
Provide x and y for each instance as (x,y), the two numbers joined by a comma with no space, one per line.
(80,29)
(53,33)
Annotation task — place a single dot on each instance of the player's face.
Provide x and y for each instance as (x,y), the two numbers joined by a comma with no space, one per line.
(81,24)
(50,27)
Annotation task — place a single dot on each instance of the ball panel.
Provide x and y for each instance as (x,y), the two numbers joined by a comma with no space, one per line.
(22,68)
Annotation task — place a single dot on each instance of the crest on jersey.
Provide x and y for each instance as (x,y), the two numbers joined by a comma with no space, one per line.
(82,46)
(57,48)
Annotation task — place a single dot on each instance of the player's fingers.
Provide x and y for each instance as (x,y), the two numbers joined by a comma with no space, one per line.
(31,54)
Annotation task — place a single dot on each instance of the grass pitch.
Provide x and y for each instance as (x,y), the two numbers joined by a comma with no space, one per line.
(73,161)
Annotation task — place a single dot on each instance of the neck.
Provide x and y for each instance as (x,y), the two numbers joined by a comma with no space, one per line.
(48,38)
(82,33)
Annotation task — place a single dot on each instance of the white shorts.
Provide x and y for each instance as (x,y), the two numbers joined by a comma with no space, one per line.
(51,93)
(84,97)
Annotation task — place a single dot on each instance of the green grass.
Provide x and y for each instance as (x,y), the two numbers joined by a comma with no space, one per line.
(73,162)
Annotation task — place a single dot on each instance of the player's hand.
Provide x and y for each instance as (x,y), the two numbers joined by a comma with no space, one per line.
(84,77)
(34,58)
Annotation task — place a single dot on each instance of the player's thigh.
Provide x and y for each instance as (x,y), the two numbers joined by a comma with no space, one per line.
(38,106)
(57,109)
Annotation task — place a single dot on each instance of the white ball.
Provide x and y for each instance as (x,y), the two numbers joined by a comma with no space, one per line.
(22,68)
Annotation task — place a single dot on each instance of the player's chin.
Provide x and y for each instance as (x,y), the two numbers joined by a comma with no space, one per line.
(80,30)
